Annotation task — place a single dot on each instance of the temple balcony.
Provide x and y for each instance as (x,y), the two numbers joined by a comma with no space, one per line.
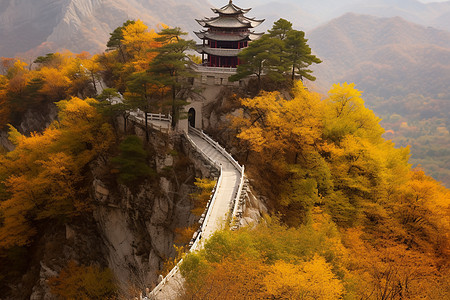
(218,51)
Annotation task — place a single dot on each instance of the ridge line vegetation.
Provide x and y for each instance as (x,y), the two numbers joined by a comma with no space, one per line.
(350,218)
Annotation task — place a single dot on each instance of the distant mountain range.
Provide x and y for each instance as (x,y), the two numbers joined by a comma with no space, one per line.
(307,14)
(404,70)
(42,26)
(384,56)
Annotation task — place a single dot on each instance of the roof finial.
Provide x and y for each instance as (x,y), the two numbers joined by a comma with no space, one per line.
(231,2)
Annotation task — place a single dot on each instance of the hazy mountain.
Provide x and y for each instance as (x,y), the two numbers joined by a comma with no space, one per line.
(368,50)
(84,25)
(307,14)
(404,71)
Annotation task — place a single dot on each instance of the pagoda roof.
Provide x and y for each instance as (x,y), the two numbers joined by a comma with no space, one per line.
(241,36)
(230,9)
(218,51)
(230,22)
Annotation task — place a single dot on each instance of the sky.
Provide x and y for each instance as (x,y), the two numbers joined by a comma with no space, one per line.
(244,2)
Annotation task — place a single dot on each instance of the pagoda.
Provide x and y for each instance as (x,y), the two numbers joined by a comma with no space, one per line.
(226,35)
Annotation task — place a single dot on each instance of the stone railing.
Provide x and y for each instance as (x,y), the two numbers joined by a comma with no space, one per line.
(204,69)
(139,117)
(194,244)
(238,192)
(159,117)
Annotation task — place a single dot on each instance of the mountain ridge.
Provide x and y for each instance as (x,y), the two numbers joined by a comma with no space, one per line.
(31,28)
(403,69)
(41,26)
(351,39)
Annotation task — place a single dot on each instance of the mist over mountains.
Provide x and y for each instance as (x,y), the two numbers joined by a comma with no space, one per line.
(394,50)
(403,69)
(42,26)
(308,14)
(384,56)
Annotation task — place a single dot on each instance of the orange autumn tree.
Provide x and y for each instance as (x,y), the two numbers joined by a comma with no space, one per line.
(138,39)
(4,105)
(282,137)
(43,175)
(269,261)
(54,77)
(84,282)
(339,161)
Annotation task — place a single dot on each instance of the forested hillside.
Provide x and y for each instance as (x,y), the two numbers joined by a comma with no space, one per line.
(351,219)
(83,212)
(404,70)
(348,217)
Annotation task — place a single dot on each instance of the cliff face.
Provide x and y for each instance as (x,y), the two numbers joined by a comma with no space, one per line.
(129,229)
(35,119)
(41,26)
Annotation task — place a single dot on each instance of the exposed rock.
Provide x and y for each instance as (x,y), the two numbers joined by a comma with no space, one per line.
(38,119)
(137,226)
(33,120)
(160,211)
(42,290)
(254,211)
(70,233)
(164,162)
(5,142)
(100,190)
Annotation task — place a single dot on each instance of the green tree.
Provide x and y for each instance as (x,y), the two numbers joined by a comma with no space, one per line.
(171,65)
(132,160)
(299,55)
(277,52)
(46,60)
(259,59)
(280,29)
(116,38)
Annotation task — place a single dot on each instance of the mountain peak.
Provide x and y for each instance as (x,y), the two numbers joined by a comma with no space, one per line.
(83,25)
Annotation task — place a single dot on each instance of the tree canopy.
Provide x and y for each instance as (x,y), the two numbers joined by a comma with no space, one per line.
(170,68)
(282,51)
(43,176)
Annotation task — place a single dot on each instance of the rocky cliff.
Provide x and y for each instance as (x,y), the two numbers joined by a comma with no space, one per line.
(34,119)
(130,230)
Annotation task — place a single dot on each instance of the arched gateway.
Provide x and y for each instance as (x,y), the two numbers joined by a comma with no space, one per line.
(191,117)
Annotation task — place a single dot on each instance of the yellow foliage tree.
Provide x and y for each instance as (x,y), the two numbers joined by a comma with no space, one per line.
(43,175)
(309,280)
(201,197)
(275,126)
(84,282)
(56,83)
(345,114)
(138,40)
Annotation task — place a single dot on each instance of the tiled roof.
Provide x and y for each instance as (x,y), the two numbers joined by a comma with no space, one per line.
(228,37)
(230,9)
(230,22)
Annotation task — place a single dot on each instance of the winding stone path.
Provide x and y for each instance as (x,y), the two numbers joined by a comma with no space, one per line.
(225,195)
(225,192)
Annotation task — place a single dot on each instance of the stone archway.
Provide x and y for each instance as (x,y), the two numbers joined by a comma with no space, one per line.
(191,117)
